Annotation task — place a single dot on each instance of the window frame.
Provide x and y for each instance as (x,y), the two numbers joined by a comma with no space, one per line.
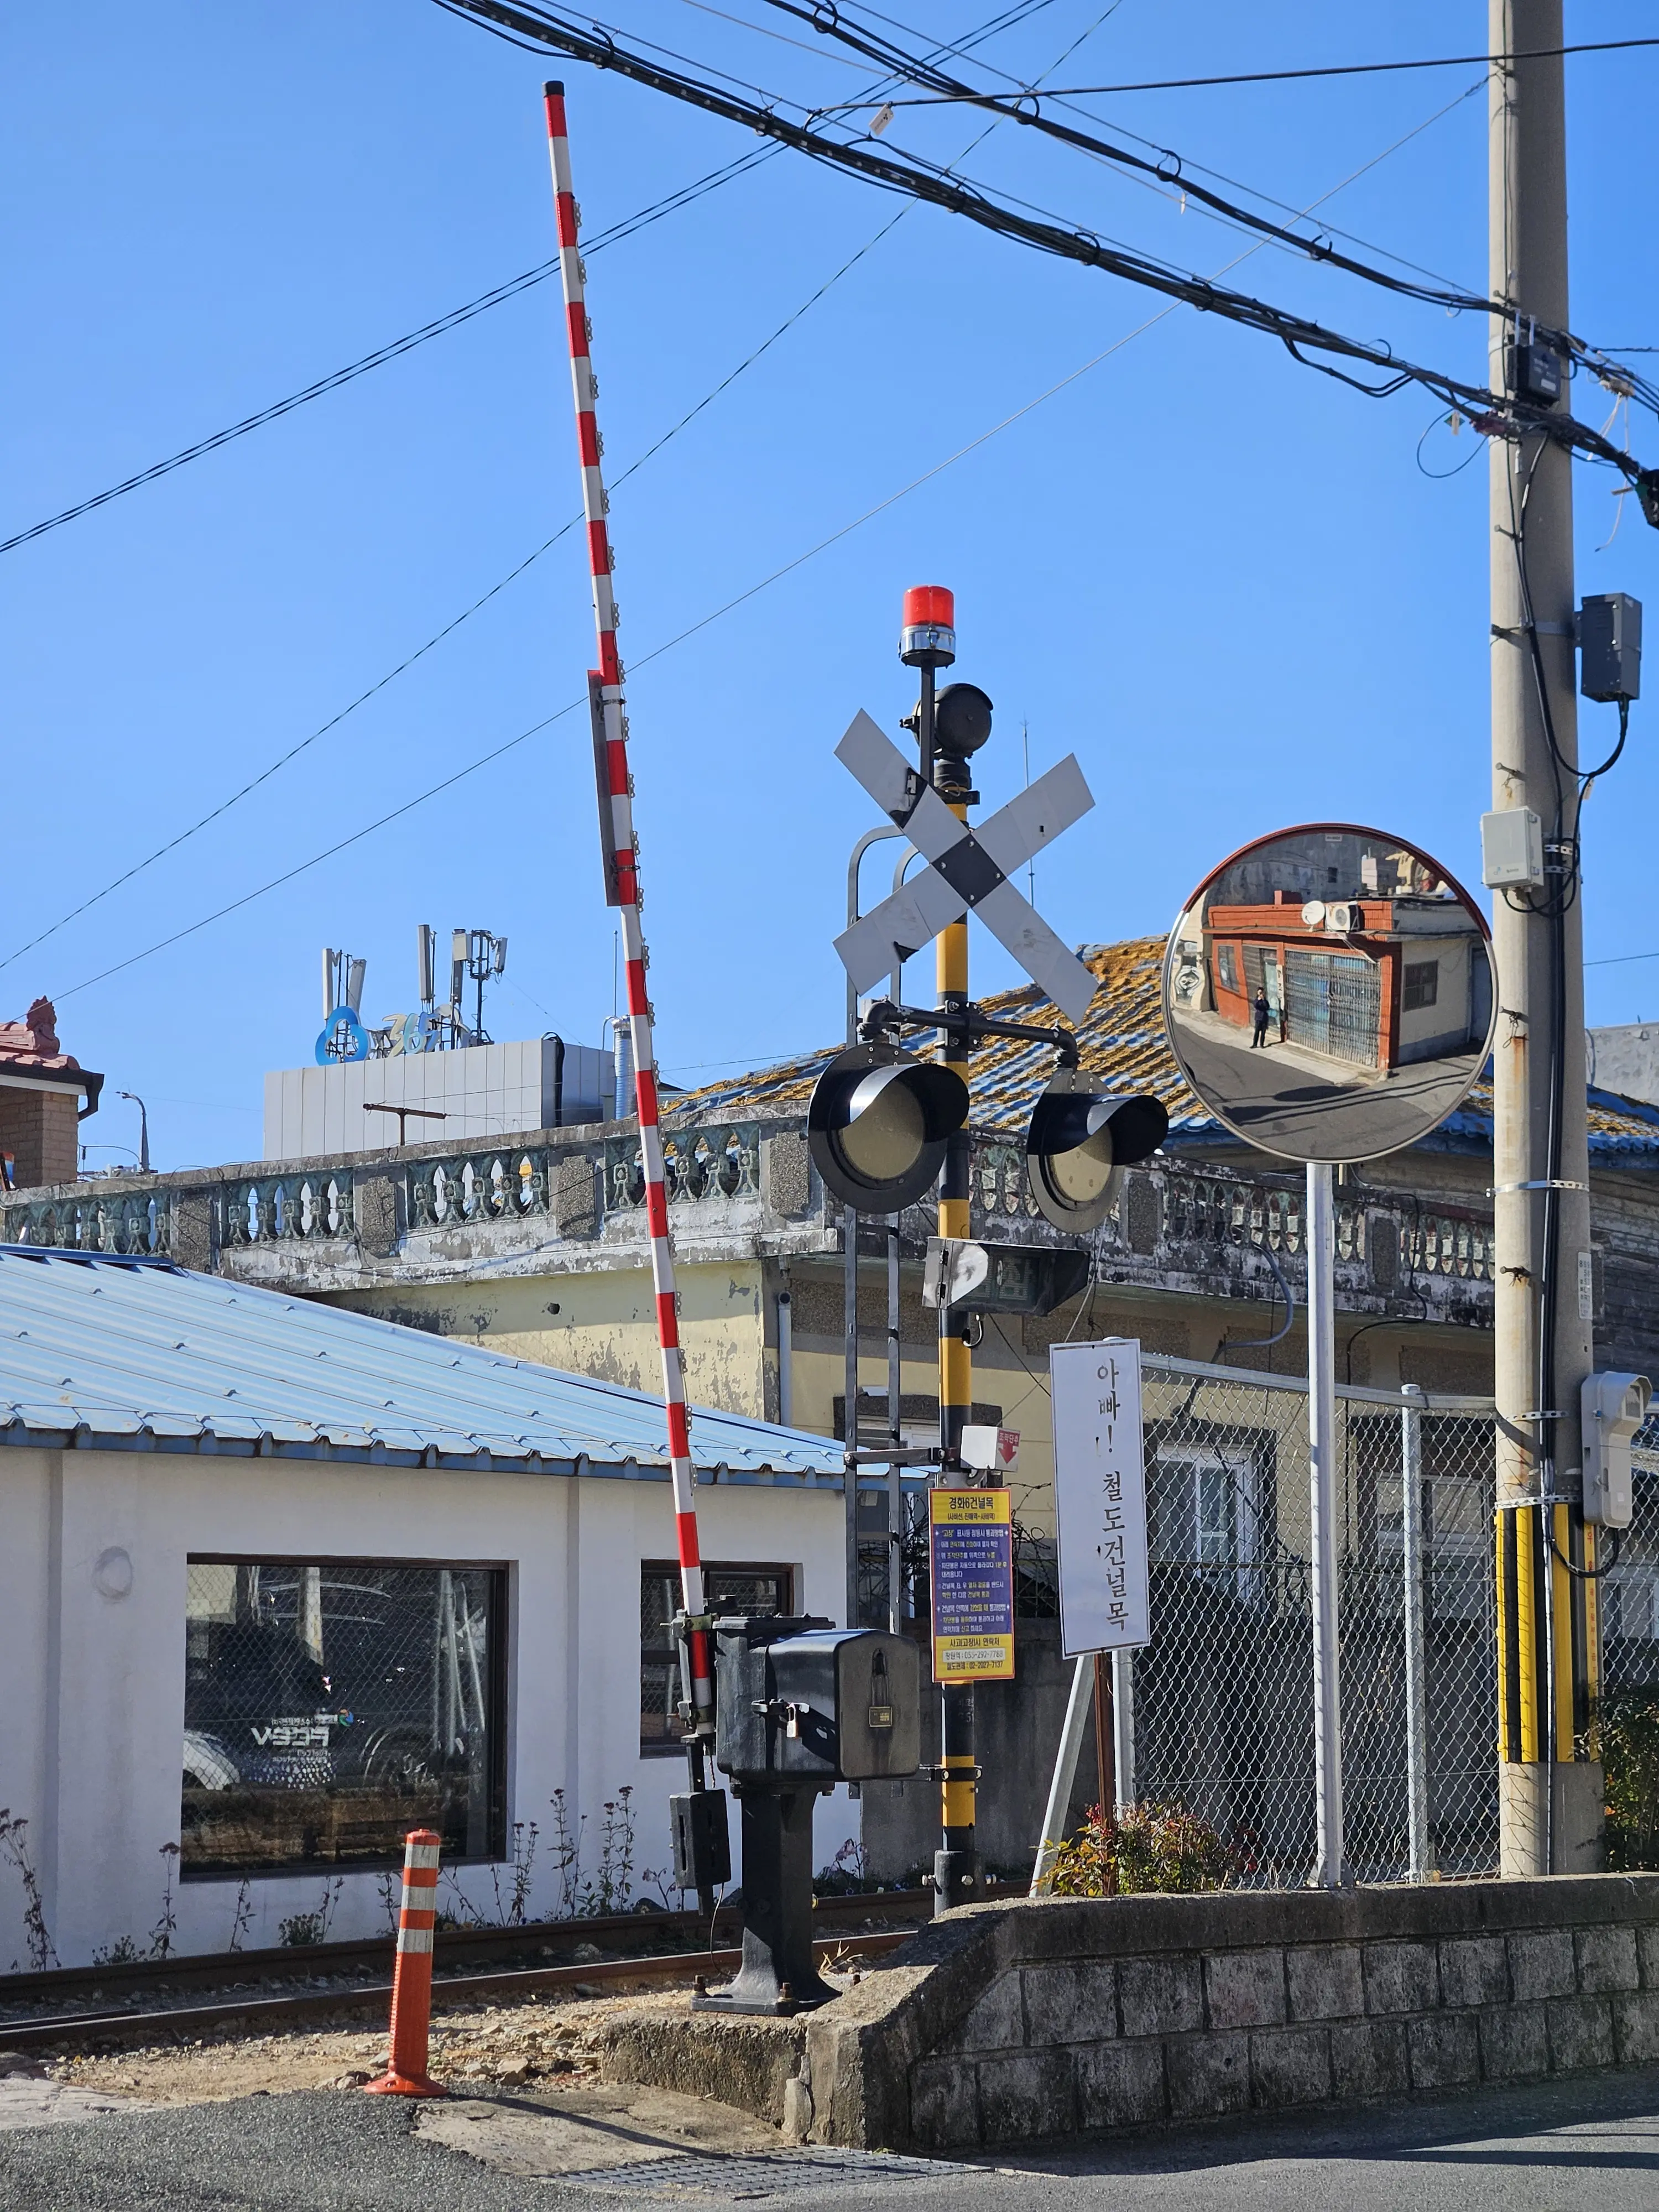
(669,1569)
(498,1687)
(1414,976)
(1196,1467)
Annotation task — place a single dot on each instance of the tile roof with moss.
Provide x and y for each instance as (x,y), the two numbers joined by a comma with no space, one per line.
(1124,1043)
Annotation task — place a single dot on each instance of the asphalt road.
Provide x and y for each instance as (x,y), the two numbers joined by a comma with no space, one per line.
(1561,2146)
(1275,1095)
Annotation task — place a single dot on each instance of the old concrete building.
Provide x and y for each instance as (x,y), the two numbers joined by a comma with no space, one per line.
(535,1243)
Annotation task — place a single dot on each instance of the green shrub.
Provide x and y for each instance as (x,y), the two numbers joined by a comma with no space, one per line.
(1145,1847)
(1628,1730)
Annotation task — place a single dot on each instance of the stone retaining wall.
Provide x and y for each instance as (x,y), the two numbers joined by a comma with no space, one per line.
(1015,2023)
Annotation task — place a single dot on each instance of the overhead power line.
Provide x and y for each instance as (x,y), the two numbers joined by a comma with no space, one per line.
(1341,68)
(1024,108)
(730,606)
(671,203)
(497,752)
(898,171)
(1170,192)
(1025,9)
(202,822)
(436,328)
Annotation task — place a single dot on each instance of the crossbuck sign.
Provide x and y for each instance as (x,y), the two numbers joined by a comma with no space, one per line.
(969,871)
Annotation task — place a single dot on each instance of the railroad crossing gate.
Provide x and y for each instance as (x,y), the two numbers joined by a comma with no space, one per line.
(968,871)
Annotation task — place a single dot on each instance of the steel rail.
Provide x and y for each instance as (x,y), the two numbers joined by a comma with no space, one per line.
(254,2013)
(455,1947)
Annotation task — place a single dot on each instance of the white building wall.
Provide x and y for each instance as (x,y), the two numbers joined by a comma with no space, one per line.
(91,1727)
(482,1090)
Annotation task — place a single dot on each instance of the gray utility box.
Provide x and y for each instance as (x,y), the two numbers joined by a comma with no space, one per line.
(800,1702)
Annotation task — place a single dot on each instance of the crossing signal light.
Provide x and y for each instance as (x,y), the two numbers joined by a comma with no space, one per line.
(1079,1144)
(962,719)
(878,1124)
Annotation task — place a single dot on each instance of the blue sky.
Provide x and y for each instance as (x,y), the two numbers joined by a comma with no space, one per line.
(1220,579)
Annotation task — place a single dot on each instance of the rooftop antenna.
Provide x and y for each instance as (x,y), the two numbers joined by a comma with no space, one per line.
(458,951)
(1025,750)
(342,980)
(482,954)
(343,1037)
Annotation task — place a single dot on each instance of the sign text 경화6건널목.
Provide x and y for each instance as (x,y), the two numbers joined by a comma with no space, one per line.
(971,1559)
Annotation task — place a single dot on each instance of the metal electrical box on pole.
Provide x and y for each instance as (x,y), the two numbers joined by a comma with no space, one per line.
(1549,1795)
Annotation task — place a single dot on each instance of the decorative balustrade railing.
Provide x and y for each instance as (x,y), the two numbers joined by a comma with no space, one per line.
(281,1208)
(702,1167)
(999,1184)
(134,1224)
(1194,1217)
(1220,1210)
(1235,1211)
(505,1184)
(1452,1244)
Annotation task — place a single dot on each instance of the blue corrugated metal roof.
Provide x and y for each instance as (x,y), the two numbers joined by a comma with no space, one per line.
(141,1355)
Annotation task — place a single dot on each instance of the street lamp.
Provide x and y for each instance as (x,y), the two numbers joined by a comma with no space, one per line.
(144,1129)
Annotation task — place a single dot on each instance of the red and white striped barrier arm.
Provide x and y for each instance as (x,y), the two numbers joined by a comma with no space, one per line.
(623,861)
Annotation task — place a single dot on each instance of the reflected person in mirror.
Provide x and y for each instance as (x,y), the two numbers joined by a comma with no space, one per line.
(1259,1013)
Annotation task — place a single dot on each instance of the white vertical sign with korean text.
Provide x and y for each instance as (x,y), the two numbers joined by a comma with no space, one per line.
(1100,1495)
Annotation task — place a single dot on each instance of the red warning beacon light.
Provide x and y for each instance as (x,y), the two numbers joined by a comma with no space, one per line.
(928,636)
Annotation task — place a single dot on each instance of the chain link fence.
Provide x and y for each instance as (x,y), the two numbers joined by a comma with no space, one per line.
(1222,1695)
(1629,1591)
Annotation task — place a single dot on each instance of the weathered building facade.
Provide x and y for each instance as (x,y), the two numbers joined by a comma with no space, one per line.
(535,1243)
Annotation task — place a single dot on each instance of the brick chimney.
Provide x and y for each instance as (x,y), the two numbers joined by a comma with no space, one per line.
(41,1091)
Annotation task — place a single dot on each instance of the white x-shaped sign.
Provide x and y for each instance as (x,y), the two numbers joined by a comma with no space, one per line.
(969,870)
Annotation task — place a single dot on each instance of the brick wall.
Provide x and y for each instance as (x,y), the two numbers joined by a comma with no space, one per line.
(1007,2024)
(40,1127)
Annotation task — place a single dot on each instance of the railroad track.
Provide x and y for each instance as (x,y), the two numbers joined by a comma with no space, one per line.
(255,2014)
(56,2020)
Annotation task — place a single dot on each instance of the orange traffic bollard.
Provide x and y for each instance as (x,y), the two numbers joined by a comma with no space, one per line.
(411,1979)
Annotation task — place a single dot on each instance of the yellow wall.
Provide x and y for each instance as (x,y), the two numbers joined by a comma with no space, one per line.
(603,1324)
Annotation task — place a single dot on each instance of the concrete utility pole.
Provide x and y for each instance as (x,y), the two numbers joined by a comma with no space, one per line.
(1548,1642)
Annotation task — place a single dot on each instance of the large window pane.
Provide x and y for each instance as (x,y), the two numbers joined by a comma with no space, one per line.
(727,1589)
(330,1708)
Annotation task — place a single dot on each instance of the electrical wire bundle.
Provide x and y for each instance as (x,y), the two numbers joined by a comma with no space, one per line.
(525,23)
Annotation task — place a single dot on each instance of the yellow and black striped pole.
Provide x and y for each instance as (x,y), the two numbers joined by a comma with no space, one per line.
(955,1873)
(928,643)
(1549,1638)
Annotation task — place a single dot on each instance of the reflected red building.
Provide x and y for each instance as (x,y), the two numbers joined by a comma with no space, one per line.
(1376,982)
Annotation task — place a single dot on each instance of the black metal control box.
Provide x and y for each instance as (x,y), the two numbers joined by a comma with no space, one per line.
(702,1841)
(1610,642)
(1534,371)
(798,1700)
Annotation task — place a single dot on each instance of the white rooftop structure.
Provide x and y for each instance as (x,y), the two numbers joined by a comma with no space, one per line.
(479,1090)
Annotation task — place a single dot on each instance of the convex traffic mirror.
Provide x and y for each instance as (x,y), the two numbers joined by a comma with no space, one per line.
(878,1125)
(1327,992)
